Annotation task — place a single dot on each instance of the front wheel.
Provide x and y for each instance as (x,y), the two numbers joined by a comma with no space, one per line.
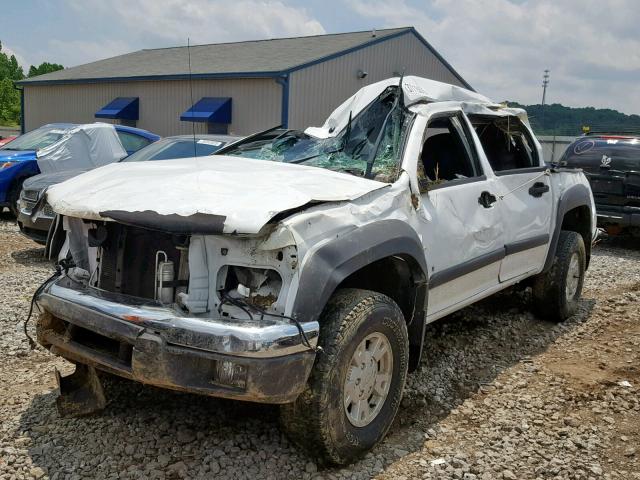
(556,292)
(356,386)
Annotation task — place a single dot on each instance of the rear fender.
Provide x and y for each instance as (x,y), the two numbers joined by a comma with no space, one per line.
(577,195)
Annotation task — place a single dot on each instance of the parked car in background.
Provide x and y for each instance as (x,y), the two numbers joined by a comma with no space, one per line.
(5,140)
(19,158)
(35,217)
(182,146)
(611,162)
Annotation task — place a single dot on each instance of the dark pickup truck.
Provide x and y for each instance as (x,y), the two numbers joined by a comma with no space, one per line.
(611,163)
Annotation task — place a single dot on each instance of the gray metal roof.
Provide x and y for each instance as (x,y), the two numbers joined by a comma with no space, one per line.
(253,58)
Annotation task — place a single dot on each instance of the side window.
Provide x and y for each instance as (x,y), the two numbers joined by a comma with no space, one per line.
(131,142)
(506,142)
(448,154)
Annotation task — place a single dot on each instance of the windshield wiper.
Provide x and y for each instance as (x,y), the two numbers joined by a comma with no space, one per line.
(358,172)
(248,139)
(300,160)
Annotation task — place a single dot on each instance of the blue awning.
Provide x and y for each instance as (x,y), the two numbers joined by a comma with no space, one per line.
(209,109)
(125,108)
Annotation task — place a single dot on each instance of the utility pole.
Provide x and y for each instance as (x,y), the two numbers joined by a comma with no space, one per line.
(545,83)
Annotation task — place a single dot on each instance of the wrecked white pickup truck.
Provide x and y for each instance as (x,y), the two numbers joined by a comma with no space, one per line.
(301,268)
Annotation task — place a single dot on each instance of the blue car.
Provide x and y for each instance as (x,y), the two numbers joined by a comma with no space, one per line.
(18,157)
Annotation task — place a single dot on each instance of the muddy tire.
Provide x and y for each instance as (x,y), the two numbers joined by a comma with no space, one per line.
(556,292)
(13,196)
(356,385)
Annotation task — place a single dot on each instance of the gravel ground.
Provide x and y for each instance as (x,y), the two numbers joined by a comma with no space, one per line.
(500,395)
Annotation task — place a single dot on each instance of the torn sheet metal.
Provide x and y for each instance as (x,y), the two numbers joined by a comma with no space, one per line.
(471,108)
(415,90)
(247,192)
(81,148)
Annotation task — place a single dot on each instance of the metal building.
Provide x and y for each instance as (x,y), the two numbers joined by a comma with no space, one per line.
(237,88)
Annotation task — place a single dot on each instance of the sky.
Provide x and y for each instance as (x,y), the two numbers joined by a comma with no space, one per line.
(501,47)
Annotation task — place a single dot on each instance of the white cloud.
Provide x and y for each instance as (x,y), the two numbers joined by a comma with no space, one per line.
(206,21)
(591,47)
(106,29)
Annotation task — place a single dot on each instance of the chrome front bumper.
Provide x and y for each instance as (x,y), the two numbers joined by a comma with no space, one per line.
(151,343)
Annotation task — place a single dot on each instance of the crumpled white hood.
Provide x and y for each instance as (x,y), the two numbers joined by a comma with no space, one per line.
(247,192)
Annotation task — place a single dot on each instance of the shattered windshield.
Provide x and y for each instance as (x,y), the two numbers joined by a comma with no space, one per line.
(368,147)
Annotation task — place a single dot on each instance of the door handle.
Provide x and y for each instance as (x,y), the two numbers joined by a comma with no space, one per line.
(486,199)
(538,188)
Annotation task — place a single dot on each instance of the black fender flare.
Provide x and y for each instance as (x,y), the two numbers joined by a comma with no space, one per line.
(576,196)
(332,263)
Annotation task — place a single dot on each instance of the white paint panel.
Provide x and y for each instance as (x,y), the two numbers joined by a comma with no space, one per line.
(518,263)
(462,288)
(525,217)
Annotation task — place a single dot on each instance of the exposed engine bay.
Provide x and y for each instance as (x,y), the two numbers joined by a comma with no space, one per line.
(204,275)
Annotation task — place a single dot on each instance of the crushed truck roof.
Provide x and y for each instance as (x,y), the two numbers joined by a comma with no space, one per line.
(415,90)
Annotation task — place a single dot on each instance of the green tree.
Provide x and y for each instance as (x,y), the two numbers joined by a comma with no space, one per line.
(556,119)
(9,67)
(10,71)
(9,103)
(44,67)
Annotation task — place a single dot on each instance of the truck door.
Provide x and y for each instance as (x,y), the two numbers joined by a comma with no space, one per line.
(524,188)
(460,223)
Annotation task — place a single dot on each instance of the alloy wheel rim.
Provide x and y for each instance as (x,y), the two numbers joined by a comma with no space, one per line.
(573,277)
(368,379)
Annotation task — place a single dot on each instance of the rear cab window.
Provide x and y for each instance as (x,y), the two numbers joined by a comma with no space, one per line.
(507,144)
(131,142)
(603,152)
(611,164)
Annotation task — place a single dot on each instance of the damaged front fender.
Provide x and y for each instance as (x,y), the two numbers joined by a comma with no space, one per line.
(334,261)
